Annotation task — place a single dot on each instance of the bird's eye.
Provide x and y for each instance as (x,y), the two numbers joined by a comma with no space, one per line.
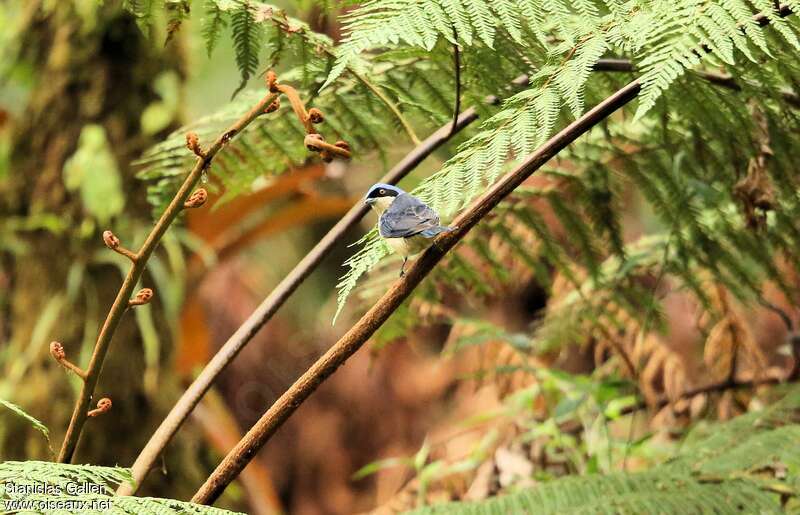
(382,191)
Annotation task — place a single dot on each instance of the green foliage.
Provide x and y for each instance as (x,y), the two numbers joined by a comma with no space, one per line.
(246,40)
(92,170)
(214,23)
(645,493)
(274,143)
(692,34)
(34,422)
(18,479)
(143,11)
(158,115)
(746,464)
(378,24)
(60,474)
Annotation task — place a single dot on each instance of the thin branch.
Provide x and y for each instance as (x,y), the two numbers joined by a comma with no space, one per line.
(139,260)
(183,200)
(388,103)
(283,408)
(114,244)
(457,70)
(58,353)
(313,141)
(793,339)
(728,384)
(718,79)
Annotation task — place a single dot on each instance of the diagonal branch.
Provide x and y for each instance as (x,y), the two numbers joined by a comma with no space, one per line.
(283,408)
(183,199)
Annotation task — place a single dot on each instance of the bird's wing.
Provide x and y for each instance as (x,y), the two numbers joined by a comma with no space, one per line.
(406,217)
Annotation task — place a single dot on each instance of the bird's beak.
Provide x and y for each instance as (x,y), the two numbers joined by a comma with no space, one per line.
(369,201)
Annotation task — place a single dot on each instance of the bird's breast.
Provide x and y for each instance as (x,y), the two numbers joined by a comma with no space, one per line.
(407,247)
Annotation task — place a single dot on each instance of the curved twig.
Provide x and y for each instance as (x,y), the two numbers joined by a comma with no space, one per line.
(139,260)
(457,70)
(58,353)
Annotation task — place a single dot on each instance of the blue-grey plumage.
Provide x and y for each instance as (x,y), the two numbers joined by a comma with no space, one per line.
(404,221)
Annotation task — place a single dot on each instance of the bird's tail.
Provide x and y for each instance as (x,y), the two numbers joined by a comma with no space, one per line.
(430,233)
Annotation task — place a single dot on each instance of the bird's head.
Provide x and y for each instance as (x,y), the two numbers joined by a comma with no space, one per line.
(381,196)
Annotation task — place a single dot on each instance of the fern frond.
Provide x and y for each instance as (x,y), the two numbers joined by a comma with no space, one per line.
(61,474)
(142,10)
(379,24)
(246,40)
(479,162)
(214,22)
(723,472)
(34,422)
(639,493)
(693,33)
(62,478)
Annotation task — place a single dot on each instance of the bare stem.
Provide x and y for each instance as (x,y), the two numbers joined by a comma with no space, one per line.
(393,108)
(103,406)
(139,260)
(57,351)
(457,73)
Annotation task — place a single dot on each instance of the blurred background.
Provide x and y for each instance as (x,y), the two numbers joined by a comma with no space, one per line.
(426,412)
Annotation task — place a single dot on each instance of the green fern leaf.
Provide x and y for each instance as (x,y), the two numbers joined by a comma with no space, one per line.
(572,79)
(27,475)
(32,420)
(715,474)
(214,23)
(246,40)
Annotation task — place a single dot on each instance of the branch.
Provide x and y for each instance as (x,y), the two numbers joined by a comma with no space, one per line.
(282,25)
(457,70)
(313,141)
(57,351)
(792,339)
(226,354)
(139,260)
(283,408)
(718,79)
(728,384)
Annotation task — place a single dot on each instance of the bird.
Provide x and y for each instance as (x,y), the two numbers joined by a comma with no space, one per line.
(406,223)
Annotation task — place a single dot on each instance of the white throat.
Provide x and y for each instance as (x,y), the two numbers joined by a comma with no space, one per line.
(382,204)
